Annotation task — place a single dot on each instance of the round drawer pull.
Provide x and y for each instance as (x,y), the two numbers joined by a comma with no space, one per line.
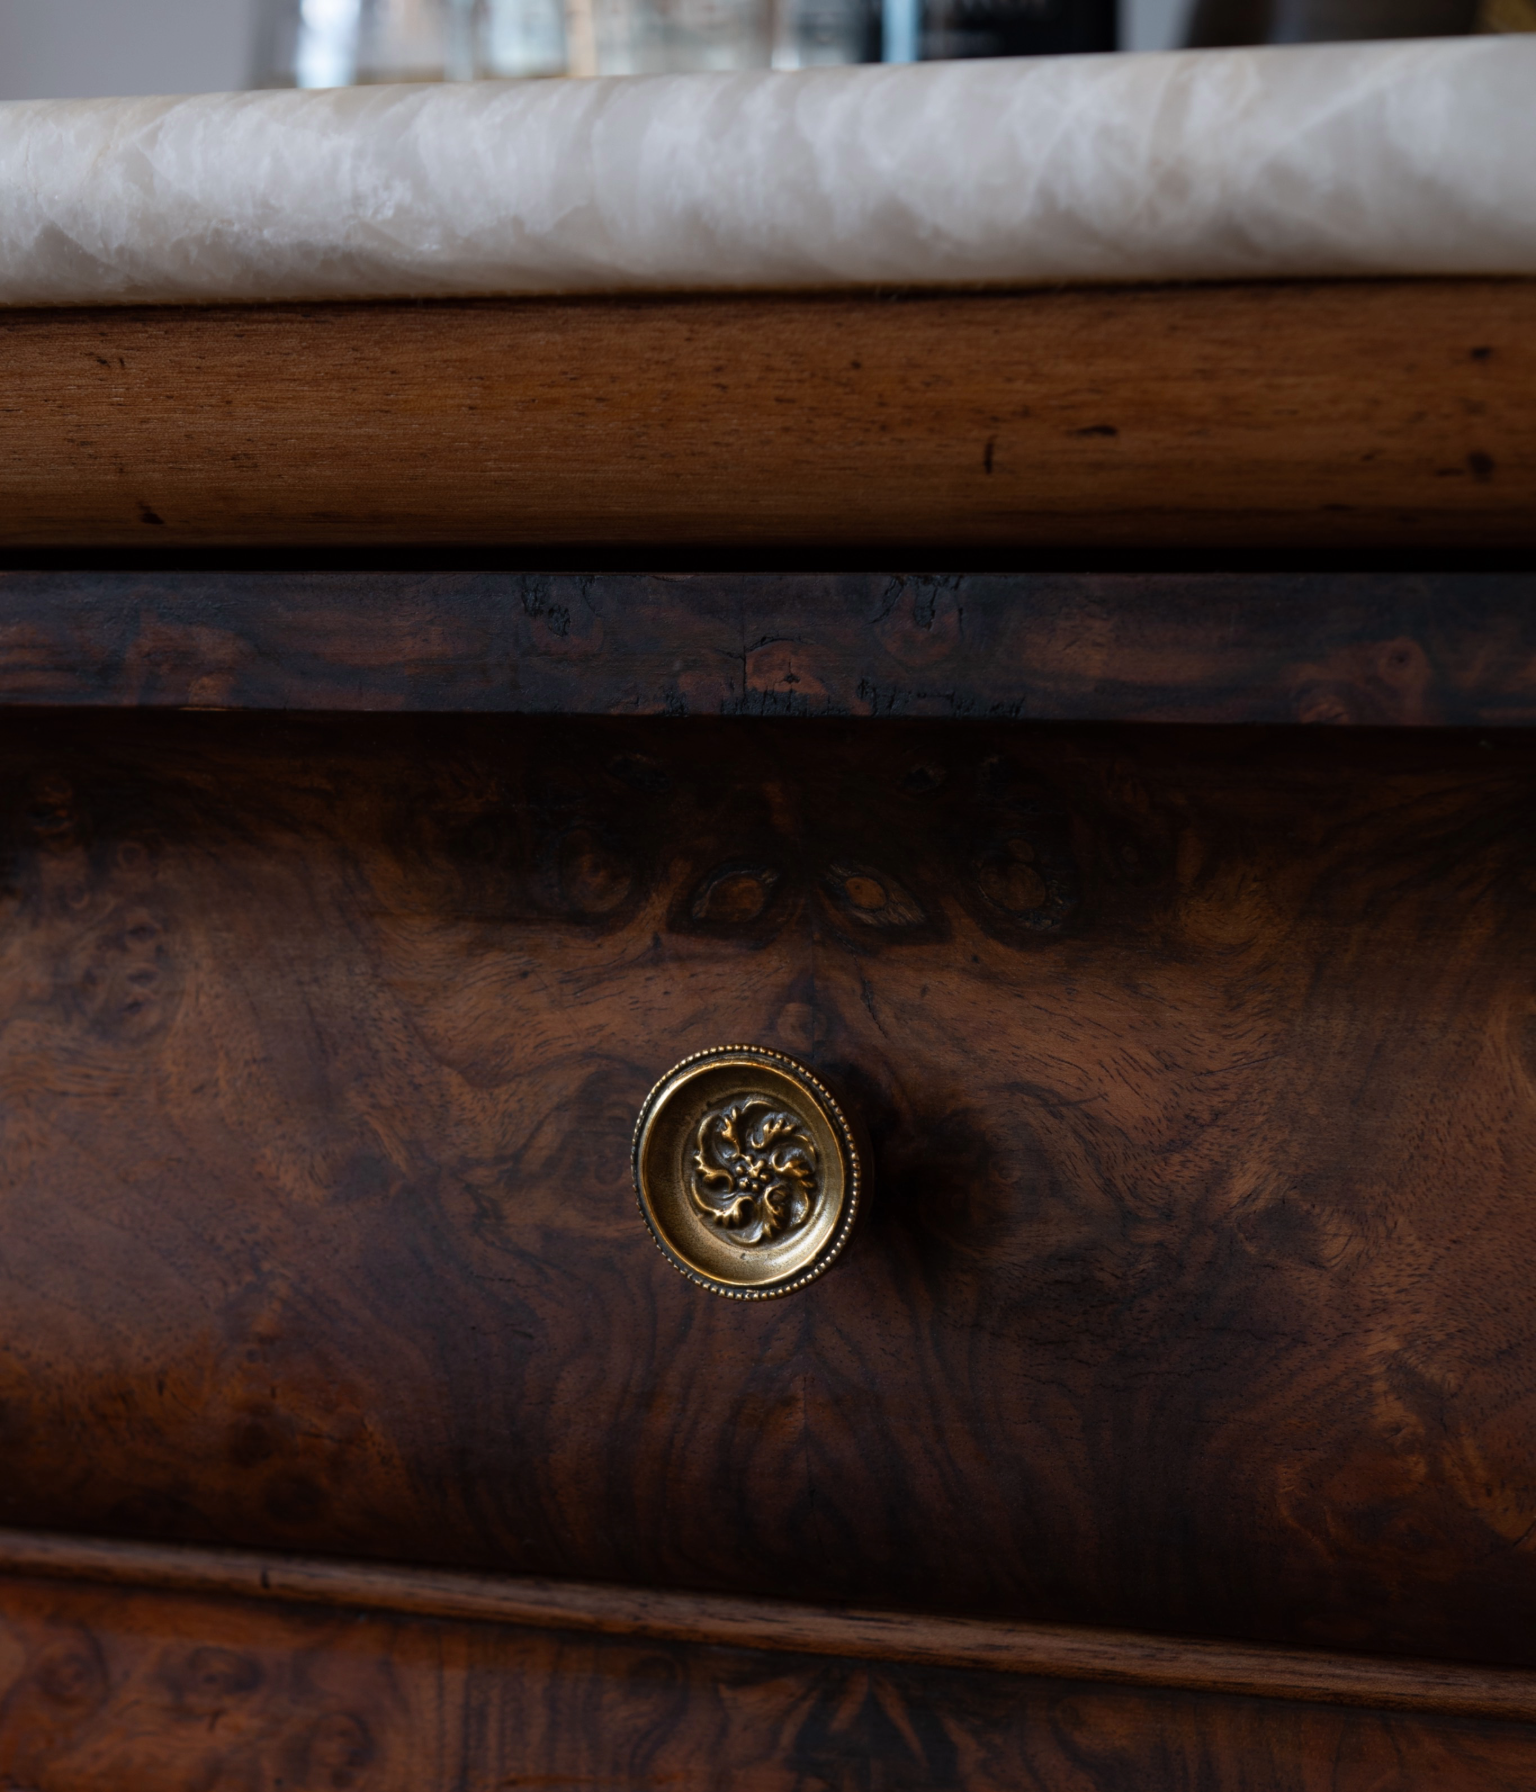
(747,1171)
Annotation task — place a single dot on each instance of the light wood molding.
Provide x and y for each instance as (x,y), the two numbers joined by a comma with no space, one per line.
(1345,414)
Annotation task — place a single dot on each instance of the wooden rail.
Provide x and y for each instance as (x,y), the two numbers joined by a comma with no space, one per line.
(1053,1651)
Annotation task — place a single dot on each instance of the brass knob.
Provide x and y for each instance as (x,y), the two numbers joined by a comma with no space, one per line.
(748,1173)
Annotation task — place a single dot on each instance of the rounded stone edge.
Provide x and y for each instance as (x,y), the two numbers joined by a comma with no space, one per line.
(846,1135)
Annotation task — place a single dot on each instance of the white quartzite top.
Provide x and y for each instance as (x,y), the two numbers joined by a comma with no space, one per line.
(1386,158)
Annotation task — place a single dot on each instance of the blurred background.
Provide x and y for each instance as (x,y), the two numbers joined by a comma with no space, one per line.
(82,48)
(57,49)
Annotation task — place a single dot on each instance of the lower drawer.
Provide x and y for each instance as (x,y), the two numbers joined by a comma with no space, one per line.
(1195,1294)
(112,1692)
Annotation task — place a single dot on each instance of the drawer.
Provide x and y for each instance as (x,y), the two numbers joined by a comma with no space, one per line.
(1164,1423)
(1196,1066)
(120,1688)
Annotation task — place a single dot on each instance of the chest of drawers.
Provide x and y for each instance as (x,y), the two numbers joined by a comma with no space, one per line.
(1166,1420)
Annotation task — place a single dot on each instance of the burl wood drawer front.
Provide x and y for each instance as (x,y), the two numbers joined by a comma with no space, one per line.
(101,1692)
(1195,1295)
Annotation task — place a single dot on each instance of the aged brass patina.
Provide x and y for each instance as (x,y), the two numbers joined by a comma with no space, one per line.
(748,1172)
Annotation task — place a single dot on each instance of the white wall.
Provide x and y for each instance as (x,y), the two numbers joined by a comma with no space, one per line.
(69,49)
(75,49)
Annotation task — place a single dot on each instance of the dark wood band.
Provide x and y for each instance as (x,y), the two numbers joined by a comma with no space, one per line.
(1368,648)
(1047,1650)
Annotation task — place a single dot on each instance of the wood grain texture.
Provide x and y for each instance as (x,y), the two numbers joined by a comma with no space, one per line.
(108,1691)
(1364,413)
(1398,649)
(1197,1290)
(1050,1651)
